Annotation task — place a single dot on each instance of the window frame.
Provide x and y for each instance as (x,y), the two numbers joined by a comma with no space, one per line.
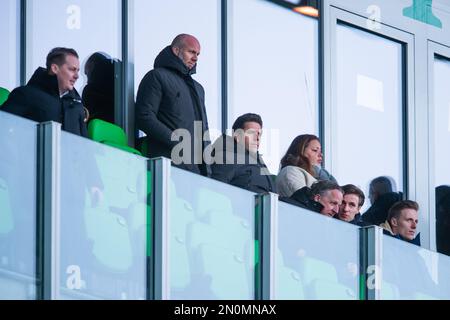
(442,51)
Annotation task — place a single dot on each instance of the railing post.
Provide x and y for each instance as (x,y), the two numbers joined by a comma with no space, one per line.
(371,262)
(266,212)
(48,209)
(158,263)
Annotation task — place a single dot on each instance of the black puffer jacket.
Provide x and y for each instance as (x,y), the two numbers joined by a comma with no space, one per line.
(304,198)
(239,167)
(39,101)
(378,212)
(169,99)
(98,94)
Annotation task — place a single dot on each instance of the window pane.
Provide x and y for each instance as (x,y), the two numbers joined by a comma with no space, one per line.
(442,153)
(273,71)
(87,26)
(367,134)
(9,33)
(158,22)
(442,121)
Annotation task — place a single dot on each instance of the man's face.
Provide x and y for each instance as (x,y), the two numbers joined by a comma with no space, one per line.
(67,73)
(330,201)
(252,135)
(406,224)
(189,52)
(349,207)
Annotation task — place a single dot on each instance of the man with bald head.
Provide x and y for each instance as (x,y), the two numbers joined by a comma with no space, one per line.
(170,106)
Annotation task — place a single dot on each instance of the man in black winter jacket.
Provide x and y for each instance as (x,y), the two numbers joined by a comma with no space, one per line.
(382,196)
(50,94)
(170,104)
(352,203)
(324,197)
(237,160)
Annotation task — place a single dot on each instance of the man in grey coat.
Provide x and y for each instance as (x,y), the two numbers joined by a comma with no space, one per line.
(238,161)
(170,105)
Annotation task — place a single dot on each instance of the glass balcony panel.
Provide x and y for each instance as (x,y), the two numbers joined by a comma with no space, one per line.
(17,207)
(410,272)
(103,221)
(316,258)
(211,239)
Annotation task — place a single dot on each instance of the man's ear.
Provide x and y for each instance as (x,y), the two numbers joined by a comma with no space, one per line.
(316,198)
(394,222)
(236,138)
(54,68)
(176,51)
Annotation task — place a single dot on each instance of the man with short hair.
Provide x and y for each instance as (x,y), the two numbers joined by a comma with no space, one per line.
(382,196)
(169,101)
(50,94)
(352,202)
(402,221)
(324,197)
(237,160)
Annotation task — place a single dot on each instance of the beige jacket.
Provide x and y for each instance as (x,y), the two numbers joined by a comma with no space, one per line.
(386,226)
(291,179)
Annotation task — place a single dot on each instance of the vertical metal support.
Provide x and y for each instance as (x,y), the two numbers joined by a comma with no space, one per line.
(266,215)
(23,42)
(224,59)
(322,76)
(370,256)
(158,260)
(327,95)
(126,98)
(48,209)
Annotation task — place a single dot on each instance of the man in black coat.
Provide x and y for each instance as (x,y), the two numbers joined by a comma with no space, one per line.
(351,205)
(50,94)
(237,160)
(324,197)
(170,104)
(402,221)
(382,196)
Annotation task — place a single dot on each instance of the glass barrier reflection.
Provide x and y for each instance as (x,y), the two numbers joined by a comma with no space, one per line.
(317,257)
(211,228)
(17,207)
(413,273)
(103,221)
